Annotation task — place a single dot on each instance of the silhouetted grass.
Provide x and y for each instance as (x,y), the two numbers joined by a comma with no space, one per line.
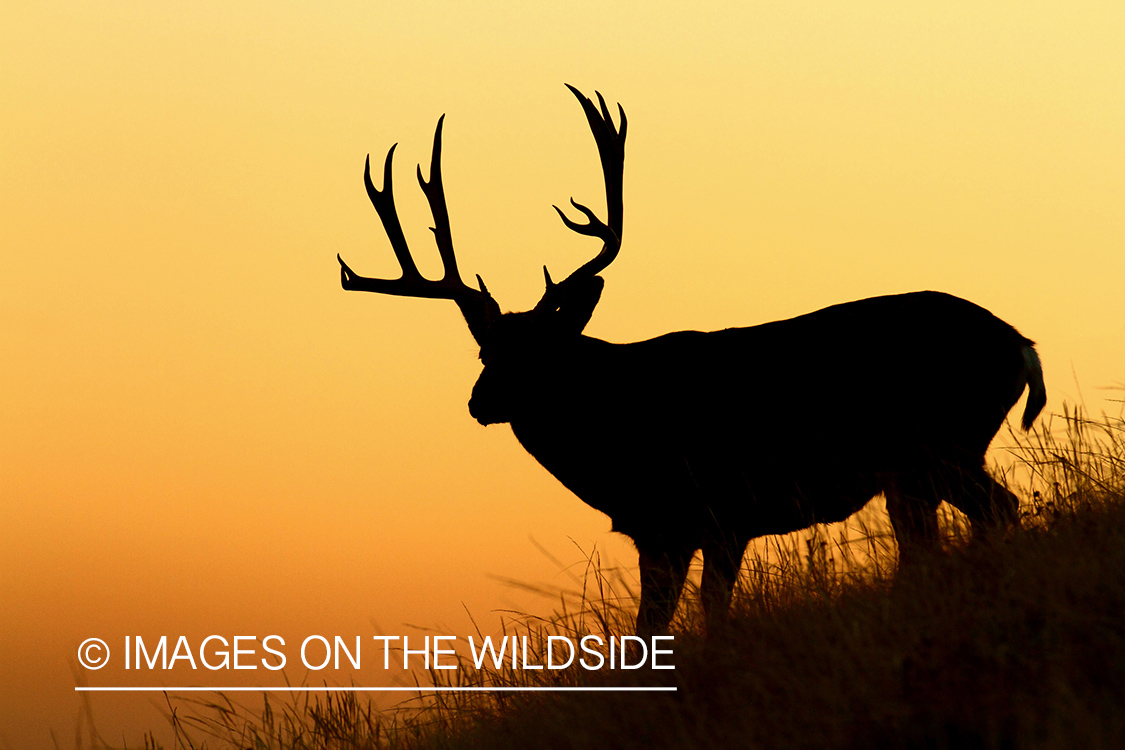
(1007,642)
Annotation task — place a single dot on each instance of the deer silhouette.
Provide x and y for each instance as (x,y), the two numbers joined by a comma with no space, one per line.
(696,440)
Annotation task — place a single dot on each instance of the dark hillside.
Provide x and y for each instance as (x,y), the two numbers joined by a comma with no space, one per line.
(1016,642)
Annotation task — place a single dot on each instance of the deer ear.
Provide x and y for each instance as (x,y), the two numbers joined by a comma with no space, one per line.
(578,305)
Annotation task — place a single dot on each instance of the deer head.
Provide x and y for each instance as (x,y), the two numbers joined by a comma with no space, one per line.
(519,350)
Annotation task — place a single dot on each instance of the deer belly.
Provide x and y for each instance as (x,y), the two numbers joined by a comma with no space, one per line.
(652,489)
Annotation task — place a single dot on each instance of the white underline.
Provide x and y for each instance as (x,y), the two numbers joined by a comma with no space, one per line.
(242,689)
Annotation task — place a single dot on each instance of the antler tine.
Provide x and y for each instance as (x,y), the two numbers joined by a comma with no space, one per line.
(594,227)
(435,194)
(384,203)
(611,150)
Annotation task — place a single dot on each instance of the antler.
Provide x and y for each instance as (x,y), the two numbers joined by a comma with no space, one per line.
(478,306)
(611,149)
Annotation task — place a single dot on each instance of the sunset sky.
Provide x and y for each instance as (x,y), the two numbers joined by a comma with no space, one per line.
(200,432)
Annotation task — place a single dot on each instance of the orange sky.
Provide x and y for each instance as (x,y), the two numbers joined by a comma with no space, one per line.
(200,432)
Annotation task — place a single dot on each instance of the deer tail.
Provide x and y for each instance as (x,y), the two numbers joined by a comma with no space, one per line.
(1036,393)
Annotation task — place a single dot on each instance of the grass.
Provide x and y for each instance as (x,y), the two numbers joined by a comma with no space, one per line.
(1014,642)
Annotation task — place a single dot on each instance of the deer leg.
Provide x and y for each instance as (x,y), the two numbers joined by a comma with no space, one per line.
(986,502)
(912,504)
(721,563)
(663,572)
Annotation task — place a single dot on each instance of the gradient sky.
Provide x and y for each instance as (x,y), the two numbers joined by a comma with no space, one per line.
(200,432)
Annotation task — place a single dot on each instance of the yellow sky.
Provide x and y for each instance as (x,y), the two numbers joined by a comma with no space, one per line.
(200,432)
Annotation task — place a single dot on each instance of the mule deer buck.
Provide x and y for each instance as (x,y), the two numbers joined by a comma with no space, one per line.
(696,440)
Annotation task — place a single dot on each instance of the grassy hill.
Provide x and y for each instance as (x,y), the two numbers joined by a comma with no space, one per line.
(1013,642)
